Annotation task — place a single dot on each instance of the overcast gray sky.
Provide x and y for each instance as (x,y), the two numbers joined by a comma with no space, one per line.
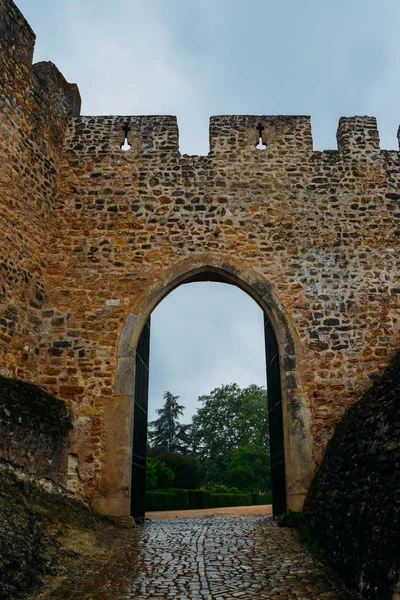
(204,335)
(196,58)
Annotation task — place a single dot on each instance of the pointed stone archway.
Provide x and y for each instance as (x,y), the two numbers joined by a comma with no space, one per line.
(118,415)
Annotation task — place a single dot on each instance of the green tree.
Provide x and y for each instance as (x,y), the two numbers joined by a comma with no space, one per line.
(250,470)
(166,432)
(189,439)
(158,474)
(230,418)
(186,469)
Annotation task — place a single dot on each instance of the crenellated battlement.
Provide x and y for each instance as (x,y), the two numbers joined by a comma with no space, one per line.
(241,134)
(358,135)
(232,137)
(146,135)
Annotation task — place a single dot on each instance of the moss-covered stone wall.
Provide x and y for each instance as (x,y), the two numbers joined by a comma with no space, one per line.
(41,534)
(354,502)
(34,428)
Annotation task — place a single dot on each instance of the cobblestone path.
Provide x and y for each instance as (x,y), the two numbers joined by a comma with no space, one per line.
(207,559)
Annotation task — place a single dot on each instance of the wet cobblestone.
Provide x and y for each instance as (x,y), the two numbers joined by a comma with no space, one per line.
(202,559)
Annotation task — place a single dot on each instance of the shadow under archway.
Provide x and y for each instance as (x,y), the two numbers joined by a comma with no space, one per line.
(275,413)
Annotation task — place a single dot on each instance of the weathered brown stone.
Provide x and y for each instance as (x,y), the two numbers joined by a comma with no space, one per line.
(95,237)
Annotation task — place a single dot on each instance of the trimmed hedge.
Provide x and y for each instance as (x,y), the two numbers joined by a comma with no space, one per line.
(175,499)
(199,499)
(167,500)
(259,499)
(220,500)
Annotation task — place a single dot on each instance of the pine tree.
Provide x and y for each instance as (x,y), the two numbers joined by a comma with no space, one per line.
(166,432)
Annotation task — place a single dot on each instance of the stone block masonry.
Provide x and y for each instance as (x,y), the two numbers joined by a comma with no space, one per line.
(35,106)
(94,237)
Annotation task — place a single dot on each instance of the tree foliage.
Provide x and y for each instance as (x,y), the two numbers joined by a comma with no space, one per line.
(226,443)
(166,432)
(158,474)
(230,418)
(186,469)
(249,469)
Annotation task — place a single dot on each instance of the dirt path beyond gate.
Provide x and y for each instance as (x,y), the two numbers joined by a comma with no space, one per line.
(264,510)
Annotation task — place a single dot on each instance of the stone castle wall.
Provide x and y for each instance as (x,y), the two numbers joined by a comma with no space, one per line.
(318,226)
(35,104)
(95,236)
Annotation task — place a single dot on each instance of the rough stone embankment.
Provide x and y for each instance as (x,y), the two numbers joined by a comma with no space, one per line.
(34,429)
(41,534)
(354,502)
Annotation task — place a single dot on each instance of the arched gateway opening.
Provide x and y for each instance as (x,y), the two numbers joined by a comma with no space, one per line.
(288,414)
(272,416)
